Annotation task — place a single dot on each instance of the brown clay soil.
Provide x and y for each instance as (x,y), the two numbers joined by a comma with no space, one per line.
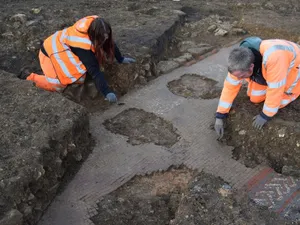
(180,197)
(139,28)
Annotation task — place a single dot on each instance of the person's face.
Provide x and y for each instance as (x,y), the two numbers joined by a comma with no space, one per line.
(243,74)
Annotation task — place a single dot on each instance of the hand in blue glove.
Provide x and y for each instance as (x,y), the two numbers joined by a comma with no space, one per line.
(111,97)
(128,60)
(258,122)
(219,127)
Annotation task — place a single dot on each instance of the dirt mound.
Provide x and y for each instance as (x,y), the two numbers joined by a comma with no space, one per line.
(194,86)
(143,127)
(179,197)
(40,141)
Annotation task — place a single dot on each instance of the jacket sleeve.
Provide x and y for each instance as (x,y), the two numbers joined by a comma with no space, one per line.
(277,67)
(118,54)
(89,60)
(232,86)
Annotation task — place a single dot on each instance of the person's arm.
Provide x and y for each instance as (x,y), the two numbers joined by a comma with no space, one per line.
(232,86)
(118,54)
(89,60)
(120,58)
(277,68)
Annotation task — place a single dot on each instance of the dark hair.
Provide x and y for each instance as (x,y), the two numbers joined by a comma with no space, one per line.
(97,31)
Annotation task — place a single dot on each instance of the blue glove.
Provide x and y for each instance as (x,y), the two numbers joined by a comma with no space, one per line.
(258,122)
(111,97)
(128,60)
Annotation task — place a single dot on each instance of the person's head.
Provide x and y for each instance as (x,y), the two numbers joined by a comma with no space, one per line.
(241,62)
(100,34)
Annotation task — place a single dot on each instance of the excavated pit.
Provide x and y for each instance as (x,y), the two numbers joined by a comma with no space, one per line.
(180,197)
(39,147)
(194,86)
(143,127)
(276,145)
(23,51)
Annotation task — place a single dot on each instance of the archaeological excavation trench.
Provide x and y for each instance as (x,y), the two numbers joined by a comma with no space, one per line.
(153,159)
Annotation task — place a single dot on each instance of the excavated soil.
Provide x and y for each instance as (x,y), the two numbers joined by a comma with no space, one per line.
(151,31)
(276,145)
(180,197)
(39,147)
(143,127)
(194,86)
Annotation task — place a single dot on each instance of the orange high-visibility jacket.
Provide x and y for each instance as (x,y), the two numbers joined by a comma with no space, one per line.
(67,65)
(280,69)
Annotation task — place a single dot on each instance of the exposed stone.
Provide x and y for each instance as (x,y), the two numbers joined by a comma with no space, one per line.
(270,6)
(8,35)
(186,34)
(184,45)
(282,132)
(91,89)
(19,18)
(195,24)
(225,190)
(147,66)
(185,57)
(36,10)
(142,80)
(221,32)
(142,72)
(31,197)
(31,22)
(195,34)
(212,28)
(17,24)
(238,31)
(14,217)
(242,132)
(179,12)
(199,50)
(291,171)
(78,157)
(167,66)
(235,23)
(26,210)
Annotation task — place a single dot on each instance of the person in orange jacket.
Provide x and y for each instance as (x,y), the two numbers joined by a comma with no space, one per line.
(69,55)
(271,68)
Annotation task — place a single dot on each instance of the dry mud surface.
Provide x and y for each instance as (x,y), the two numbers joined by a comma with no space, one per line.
(151,31)
(180,197)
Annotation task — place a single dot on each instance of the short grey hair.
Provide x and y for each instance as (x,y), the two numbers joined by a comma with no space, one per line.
(240,59)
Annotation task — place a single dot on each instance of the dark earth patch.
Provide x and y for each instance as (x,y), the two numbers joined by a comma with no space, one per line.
(143,127)
(179,197)
(194,86)
(277,144)
(146,30)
